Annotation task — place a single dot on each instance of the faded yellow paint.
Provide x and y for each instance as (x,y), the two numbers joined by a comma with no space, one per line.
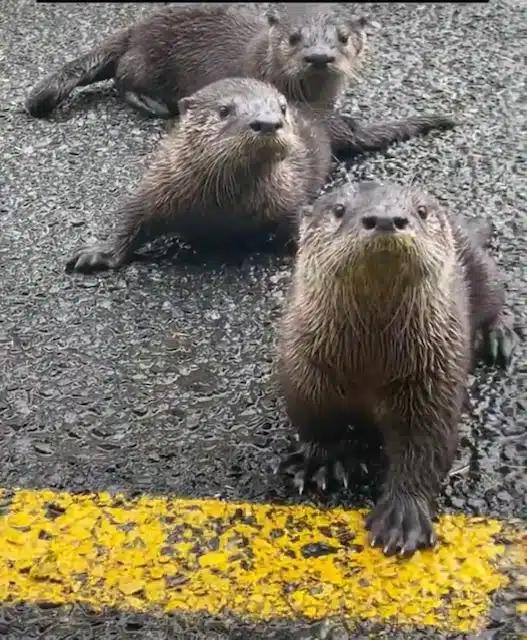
(256,561)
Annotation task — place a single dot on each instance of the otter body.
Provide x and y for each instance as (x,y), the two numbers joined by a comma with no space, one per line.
(178,50)
(389,293)
(309,53)
(240,163)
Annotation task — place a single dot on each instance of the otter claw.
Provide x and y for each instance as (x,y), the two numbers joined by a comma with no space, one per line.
(299,483)
(321,479)
(495,343)
(91,259)
(493,347)
(340,473)
(507,347)
(501,342)
(400,524)
(308,466)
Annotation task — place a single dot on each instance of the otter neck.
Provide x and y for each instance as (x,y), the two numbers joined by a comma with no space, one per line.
(320,97)
(383,302)
(204,175)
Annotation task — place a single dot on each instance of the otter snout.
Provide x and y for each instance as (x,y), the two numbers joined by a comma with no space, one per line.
(266,125)
(384,223)
(318,59)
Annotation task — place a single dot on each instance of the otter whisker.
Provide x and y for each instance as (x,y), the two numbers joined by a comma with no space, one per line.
(406,302)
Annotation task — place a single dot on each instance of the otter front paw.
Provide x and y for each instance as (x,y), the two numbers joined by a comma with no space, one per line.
(499,342)
(401,524)
(313,463)
(90,259)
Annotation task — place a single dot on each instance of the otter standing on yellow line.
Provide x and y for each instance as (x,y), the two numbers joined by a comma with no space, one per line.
(240,163)
(389,293)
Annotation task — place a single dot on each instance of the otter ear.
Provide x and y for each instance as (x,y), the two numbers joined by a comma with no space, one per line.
(184,104)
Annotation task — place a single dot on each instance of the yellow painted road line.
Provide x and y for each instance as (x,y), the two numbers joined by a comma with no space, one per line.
(255,561)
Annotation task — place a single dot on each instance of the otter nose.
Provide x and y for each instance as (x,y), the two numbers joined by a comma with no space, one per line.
(319,60)
(384,223)
(266,125)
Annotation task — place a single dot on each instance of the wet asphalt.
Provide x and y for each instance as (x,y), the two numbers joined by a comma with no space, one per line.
(159,378)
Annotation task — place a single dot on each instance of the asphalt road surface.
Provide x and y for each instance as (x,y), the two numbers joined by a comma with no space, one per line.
(158,379)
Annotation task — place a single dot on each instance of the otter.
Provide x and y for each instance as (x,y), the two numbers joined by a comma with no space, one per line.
(309,53)
(239,164)
(388,293)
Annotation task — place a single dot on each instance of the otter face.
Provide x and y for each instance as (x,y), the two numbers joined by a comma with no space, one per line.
(316,49)
(377,231)
(246,119)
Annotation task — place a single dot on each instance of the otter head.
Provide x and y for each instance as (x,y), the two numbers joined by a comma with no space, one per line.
(236,123)
(314,49)
(376,236)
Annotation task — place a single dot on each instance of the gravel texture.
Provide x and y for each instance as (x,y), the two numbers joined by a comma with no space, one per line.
(159,378)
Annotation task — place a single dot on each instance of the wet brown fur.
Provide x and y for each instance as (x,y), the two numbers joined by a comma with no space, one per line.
(380,333)
(213,181)
(178,50)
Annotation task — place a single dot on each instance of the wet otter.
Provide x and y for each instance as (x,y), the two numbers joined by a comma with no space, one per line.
(240,163)
(307,55)
(389,291)
(309,52)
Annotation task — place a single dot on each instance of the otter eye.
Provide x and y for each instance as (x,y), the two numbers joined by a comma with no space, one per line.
(224,111)
(339,210)
(283,108)
(344,38)
(295,38)
(422,212)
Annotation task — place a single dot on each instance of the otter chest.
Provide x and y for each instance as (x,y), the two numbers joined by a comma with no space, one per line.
(261,200)
(362,353)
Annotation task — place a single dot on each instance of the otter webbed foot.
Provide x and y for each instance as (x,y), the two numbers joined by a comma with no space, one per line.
(314,464)
(97,257)
(498,341)
(401,524)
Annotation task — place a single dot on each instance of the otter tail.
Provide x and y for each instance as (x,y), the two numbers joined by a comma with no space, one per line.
(96,65)
(357,138)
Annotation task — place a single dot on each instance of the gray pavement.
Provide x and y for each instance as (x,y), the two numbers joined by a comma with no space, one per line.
(158,378)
